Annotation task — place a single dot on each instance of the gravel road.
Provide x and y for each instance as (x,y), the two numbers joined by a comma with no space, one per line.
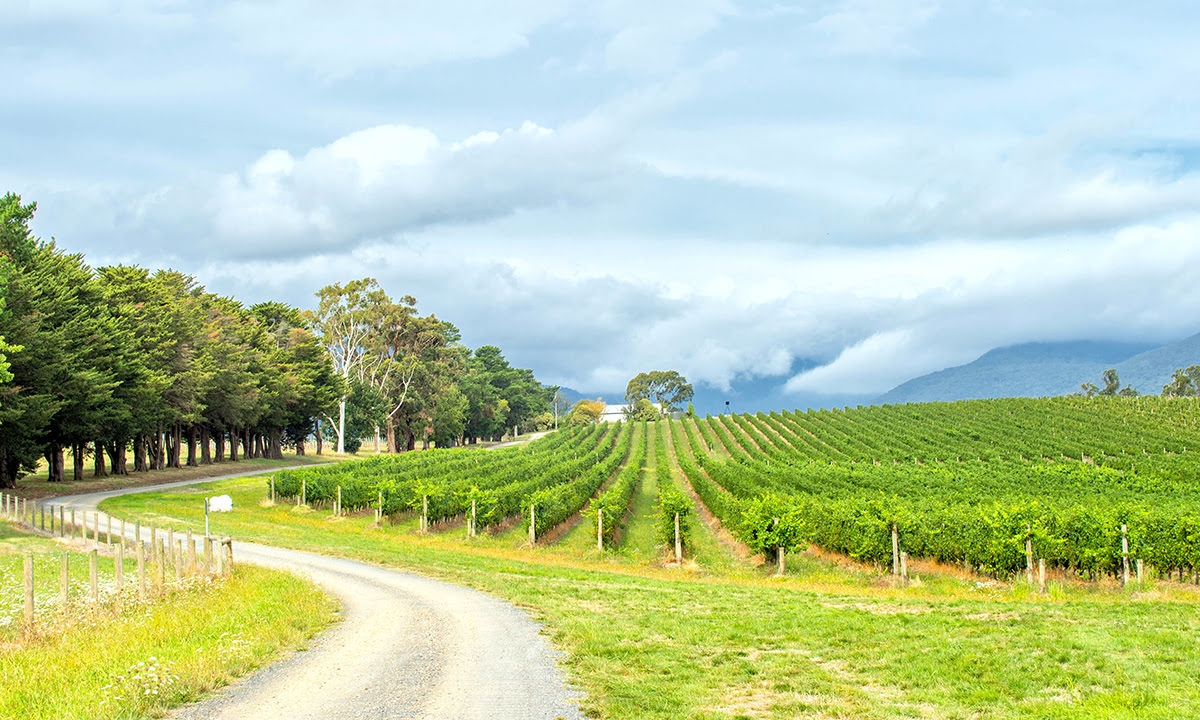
(406,647)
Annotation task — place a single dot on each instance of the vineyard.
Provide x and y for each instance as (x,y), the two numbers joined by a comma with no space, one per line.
(976,483)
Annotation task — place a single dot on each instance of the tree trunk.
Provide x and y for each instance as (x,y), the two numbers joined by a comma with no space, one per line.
(160,449)
(139,453)
(275,444)
(176,458)
(341,433)
(9,467)
(233,443)
(98,469)
(219,442)
(391,438)
(77,452)
(54,463)
(410,443)
(205,454)
(320,443)
(116,458)
(191,440)
(300,443)
(259,449)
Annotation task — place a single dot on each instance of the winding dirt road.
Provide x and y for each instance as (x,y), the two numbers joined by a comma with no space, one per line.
(407,647)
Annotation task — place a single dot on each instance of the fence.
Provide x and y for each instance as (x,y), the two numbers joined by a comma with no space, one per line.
(159,560)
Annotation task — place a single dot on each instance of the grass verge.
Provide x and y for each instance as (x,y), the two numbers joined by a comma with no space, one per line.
(36,486)
(825,642)
(95,662)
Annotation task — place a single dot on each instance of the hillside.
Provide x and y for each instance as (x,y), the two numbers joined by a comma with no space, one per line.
(1045,369)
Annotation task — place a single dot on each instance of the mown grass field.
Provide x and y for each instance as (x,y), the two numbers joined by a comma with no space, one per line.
(727,640)
(97,662)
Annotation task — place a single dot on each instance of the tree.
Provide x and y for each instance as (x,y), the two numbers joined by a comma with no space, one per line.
(586,412)
(666,387)
(1112,386)
(643,411)
(1184,383)
(345,320)
(691,411)
(560,404)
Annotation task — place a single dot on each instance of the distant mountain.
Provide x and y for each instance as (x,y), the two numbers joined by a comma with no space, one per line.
(1041,369)
(1147,372)
(761,394)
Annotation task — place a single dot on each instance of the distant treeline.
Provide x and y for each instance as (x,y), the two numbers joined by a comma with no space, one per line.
(117,361)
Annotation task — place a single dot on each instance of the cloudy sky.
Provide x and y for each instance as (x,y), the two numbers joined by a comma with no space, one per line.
(866,189)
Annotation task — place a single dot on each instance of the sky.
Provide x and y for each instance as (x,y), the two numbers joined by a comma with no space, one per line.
(834,196)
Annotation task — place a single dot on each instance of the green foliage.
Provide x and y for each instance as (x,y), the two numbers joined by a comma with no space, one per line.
(1066,472)
(609,508)
(666,387)
(642,411)
(671,501)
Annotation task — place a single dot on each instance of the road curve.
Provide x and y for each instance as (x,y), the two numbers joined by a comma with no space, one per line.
(407,647)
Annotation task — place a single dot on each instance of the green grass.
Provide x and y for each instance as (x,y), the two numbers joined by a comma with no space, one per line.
(826,641)
(96,662)
(36,486)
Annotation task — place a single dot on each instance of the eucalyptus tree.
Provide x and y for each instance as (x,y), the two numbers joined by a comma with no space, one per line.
(346,320)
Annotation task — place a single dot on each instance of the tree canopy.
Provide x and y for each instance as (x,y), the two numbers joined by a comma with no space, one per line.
(108,360)
(666,387)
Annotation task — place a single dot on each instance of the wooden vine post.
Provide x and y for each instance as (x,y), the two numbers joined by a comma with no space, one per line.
(424,513)
(1042,575)
(678,542)
(532,525)
(600,529)
(1124,555)
(779,555)
(895,550)
(471,527)
(903,564)
(141,568)
(379,510)
(337,508)
(94,576)
(1029,554)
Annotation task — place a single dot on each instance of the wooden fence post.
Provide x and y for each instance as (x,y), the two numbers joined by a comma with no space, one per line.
(208,555)
(178,552)
(141,568)
(108,535)
(895,550)
(600,529)
(161,552)
(228,554)
(73,526)
(62,521)
(903,564)
(303,491)
(379,510)
(1029,555)
(779,555)
(64,580)
(119,568)
(471,527)
(94,576)
(1139,573)
(532,525)
(424,513)
(1124,555)
(96,527)
(220,558)
(679,543)
(123,538)
(42,517)
(28,595)
(191,554)
(1042,574)
(51,519)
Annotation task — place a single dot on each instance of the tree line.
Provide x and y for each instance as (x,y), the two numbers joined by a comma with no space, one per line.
(121,361)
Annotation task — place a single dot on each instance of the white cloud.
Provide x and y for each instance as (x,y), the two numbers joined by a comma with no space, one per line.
(875,26)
